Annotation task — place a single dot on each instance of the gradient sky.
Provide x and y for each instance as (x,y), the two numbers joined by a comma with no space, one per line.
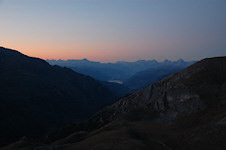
(112,30)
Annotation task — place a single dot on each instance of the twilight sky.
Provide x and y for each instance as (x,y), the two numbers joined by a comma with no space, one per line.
(112,30)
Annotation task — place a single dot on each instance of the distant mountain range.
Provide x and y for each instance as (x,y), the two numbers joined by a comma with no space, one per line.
(183,111)
(36,97)
(115,71)
(130,76)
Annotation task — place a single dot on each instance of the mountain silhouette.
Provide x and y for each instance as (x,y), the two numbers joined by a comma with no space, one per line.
(36,97)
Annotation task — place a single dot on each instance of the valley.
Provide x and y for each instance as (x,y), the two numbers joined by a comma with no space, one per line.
(185,110)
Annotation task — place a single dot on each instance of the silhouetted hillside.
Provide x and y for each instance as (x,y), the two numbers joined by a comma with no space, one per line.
(184,111)
(36,97)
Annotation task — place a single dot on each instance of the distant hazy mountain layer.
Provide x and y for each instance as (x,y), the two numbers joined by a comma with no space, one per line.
(115,71)
(125,77)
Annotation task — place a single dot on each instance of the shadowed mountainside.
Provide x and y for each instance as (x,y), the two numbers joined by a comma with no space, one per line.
(184,111)
(36,97)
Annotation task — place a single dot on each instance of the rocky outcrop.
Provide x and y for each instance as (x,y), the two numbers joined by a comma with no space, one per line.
(186,92)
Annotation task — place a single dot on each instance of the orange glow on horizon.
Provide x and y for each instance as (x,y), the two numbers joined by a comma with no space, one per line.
(96,52)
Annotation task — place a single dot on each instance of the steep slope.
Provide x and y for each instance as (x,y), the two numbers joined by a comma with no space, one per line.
(198,87)
(36,97)
(184,111)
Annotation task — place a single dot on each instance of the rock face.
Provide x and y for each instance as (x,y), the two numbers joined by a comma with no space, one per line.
(193,89)
(36,97)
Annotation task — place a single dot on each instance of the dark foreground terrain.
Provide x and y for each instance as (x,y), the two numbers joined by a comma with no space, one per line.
(36,97)
(182,112)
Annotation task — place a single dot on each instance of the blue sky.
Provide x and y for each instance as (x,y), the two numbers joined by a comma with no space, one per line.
(112,30)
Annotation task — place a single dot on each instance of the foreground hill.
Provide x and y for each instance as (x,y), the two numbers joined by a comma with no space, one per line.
(36,97)
(184,111)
